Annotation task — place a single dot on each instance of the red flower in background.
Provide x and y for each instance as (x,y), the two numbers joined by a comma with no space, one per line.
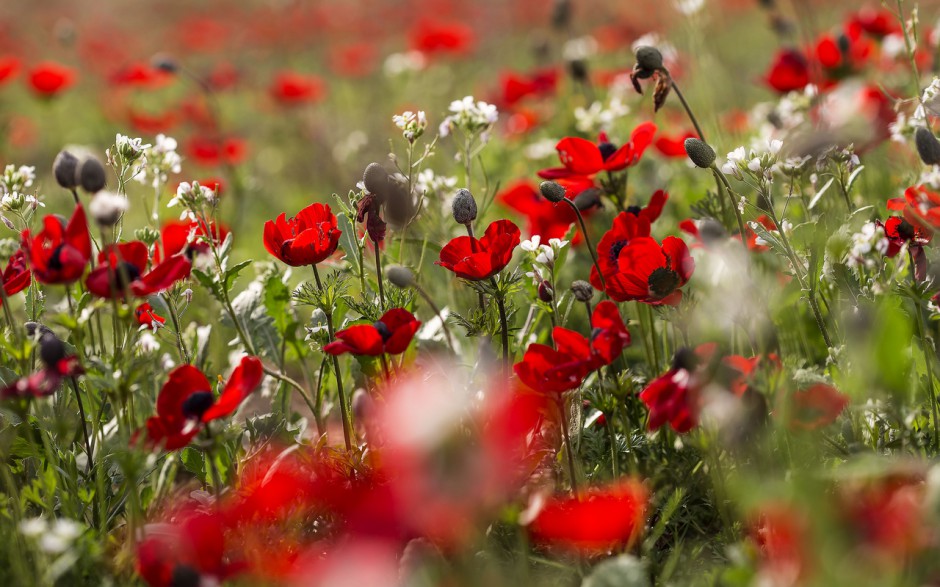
(516,86)
(889,517)
(477,259)
(432,37)
(356,60)
(900,232)
(188,238)
(609,335)
(782,535)
(292,88)
(816,406)
(556,370)
(788,72)
(9,67)
(582,159)
(391,334)
(651,273)
(212,152)
(190,550)
(141,75)
(543,218)
(306,239)
(147,316)
(674,396)
(59,253)
(16,276)
(186,402)
(122,270)
(876,22)
(48,79)
(148,123)
(752,243)
(920,206)
(603,519)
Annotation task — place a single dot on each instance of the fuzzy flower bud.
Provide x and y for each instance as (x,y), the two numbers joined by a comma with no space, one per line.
(400,276)
(700,153)
(107,208)
(582,290)
(588,199)
(649,58)
(90,174)
(928,147)
(375,178)
(64,168)
(552,191)
(464,207)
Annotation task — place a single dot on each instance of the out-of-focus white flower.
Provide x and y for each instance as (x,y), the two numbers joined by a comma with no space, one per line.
(471,116)
(352,144)
(412,124)
(689,7)
(159,161)
(869,245)
(597,117)
(17,179)
(541,149)
(579,48)
(33,527)
(146,342)
(107,208)
(399,63)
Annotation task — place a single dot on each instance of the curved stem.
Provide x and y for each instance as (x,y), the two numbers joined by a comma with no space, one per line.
(587,241)
(688,110)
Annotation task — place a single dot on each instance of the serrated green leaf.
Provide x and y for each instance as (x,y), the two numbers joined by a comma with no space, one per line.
(194,462)
(232,274)
(348,241)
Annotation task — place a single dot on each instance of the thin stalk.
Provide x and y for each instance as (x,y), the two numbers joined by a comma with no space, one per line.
(343,403)
(572,471)
(688,110)
(587,240)
(504,324)
(378,273)
(427,298)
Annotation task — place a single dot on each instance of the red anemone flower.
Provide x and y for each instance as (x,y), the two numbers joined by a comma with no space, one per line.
(674,396)
(293,88)
(626,227)
(543,218)
(306,239)
(788,72)
(59,252)
(187,550)
(651,273)
(213,151)
(188,238)
(152,123)
(440,37)
(920,206)
(16,276)
(9,66)
(674,146)
(580,158)
(516,87)
(816,406)
(391,334)
(186,402)
(122,270)
(603,519)
(58,364)
(609,335)
(141,75)
(48,79)
(559,369)
(147,316)
(478,259)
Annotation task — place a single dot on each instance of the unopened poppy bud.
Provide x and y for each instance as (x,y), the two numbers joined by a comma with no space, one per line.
(375,179)
(546,293)
(164,62)
(928,147)
(552,191)
(64,168)
(579,70)
(700,153)
(90,174)
(582,290)
(400,276)
(107,208)
(588,199)
(464,207)
(51,349)
(32,328)
(649,58)
(711,231)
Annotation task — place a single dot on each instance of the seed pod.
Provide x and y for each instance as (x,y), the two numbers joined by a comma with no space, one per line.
(700,153)
(400,276)
(582,290)
(588,199)
(464,207)
(928,147)
(578,69)
(64,168)
(552,191)
(90,175)
(400,206)
(375,179)
(51,349)
(648,59)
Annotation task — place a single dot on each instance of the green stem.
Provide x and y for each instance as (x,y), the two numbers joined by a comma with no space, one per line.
(343,403)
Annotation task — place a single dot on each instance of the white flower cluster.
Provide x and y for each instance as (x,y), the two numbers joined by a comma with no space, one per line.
(689,7)
(129,149)
(17,179)
(470,116)
(930,99)
(192,195)
(758,163)
(158,161)
(869,246)
(15,201)
(544,254)
(598,117)
(399,63)
(52,538)
(412,124)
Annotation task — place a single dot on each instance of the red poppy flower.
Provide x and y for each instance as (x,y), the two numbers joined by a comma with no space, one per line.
(16,276)
(9,67)
(49,79)
(186,402)
(516,87)
(674,146)
(609,335)
(626,227)
(356,60)
(477,259)
(188,238)
(188,549)
(146,316)
(147,123)
(920,206)
(889,517)
(650,273)
(431,37)
(294,88)
(900,232)
(743,369)
(141,75)
(876,22)
(583,159)
(556,370)
(543,218)
(674,396)
(816,406)
(122,270)
(211,152)
(781,535)
(788,72)
(603,519)
(58,254)
(306,239)
(45,382)
(391,334)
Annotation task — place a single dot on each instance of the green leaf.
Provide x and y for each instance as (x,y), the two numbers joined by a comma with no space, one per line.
(348,241)
(277,303)
(194,462)
(253,317)
(232,274)
(621,571)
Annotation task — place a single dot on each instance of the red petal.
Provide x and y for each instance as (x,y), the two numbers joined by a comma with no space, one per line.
(244,380)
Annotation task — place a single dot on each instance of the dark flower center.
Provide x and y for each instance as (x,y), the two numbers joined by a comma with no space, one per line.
(196,404)
(595,332)
(55,259)
(616,248)
(185,576)
(906,230)
(384,332)
(607,149)
(684,359)
(124,275)
(635,210)
(663,282)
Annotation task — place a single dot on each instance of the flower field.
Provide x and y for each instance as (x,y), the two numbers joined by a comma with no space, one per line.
(431,293)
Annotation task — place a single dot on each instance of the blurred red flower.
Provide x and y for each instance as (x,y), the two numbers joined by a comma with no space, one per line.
(788,72)
(147,316)
(16,277)
(543,218)
(59,253)
(674,396)
(141,75)
(48,79)
(122,270)
(211,152)
(674,146)
(9,67)
(305,239)
(816,406)
(291,88)
(431,37)
(478,259)
(391,334)
(187,549)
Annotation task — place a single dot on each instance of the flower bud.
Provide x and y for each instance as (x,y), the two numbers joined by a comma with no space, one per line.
(552,191)
(9,223)
(464,207)
(164,62)
(64,168)
(51,349)
(928,147)
(400,276)
(700,153)
(582,290)
(561,14)
(188,295)
(649,58)
(578,69)
(107,208)
(588,199)
(375,179)
(711,232)
(546,293)
(32,328)
(90,174)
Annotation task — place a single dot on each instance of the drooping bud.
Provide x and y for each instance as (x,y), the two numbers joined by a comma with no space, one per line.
(90,174)
(64,168)
(552,191)
(546,293)
(648,59)
(107,208)
(400,207)
(464,207)
(400,276)
(928,147)
(51,349)
(587,199)
(700,153)
(582,290)
(375,179)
